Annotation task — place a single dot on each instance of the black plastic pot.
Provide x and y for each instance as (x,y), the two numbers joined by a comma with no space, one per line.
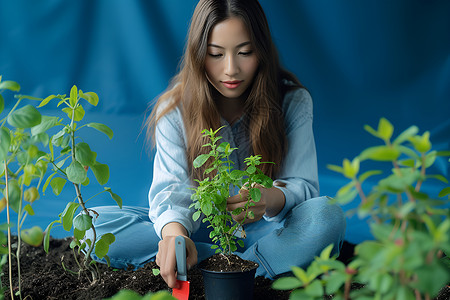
(229,285)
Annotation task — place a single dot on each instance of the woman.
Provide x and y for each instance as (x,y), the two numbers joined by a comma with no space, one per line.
(230,75)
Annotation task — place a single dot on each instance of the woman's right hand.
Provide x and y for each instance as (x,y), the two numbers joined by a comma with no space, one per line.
(166,259)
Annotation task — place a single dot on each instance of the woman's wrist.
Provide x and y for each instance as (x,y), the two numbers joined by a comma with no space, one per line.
(173,229)
(275,201)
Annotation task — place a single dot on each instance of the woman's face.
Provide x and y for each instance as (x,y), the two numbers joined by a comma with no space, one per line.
(231,61)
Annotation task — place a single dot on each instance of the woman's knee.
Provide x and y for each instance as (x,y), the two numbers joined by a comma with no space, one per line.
(325,220)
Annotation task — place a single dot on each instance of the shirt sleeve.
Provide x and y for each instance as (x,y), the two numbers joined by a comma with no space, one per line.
(170,194)
(299,168)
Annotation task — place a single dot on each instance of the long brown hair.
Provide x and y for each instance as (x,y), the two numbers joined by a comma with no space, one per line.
(192,92)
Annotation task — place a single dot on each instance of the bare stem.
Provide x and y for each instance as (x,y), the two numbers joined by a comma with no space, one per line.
(422,172)
(347,287)
(9,231)
(88,254)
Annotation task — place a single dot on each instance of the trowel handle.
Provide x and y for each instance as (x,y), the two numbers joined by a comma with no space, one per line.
(180,253)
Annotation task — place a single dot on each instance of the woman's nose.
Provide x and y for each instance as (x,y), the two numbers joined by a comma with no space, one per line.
(231,66)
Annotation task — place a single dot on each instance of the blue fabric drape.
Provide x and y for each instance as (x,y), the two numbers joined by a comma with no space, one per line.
(361,60)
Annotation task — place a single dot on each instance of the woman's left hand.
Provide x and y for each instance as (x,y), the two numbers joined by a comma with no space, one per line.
(240,200)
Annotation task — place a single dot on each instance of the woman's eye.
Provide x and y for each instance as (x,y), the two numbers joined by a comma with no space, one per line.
(245,53)
(215,55)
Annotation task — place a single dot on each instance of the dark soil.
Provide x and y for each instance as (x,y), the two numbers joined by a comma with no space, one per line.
(43,277)
(222,263)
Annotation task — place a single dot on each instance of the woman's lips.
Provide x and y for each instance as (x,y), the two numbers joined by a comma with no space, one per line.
(232,84)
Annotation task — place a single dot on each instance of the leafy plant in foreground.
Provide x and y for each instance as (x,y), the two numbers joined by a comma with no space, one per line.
(132,295)
(210,197)
(19,168)
(72,163)
(411,229)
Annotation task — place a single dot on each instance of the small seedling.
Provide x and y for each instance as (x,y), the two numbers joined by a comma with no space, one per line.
(71,164)
(20,169)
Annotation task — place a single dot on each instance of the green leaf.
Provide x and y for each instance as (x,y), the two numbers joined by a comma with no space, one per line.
(156,272)
(9,85)
(286,283)
(438,177)
(236,174)
(29,209)
(251,169)
(421,143)
(76,173)
(405,135)
(115,197)
(200,160)
(47,122)
(79,112)
(335,168)
(2,104)
(370,130)
(67,215)
(33,236)
(47,182)
(223,147)
(346,197)
(255,193)
(431,278)
(78,234)
(444,192)
(334,282)
(325,254)
(385,129)
(46,100)
(47,235)
(57,184)
(206,207)
(315,289)
(102,245)
(5,142)
(25,117)
(300,274)
(73,96)
(196,215)
(91,97)
(102,128)
(368,174)
(380,153)
(351,169)
(404,293)
(84,155)
(82,222)
(101,172)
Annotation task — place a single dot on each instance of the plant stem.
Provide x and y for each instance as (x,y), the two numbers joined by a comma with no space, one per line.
(422,172)
(9,231)
(80,200)
(88,254)
(347,289)
(417,294)
(19,241)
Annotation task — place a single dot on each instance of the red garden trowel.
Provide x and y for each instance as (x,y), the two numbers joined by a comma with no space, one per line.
(182,293)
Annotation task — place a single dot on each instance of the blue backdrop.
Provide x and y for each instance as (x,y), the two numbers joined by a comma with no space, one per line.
(361,60)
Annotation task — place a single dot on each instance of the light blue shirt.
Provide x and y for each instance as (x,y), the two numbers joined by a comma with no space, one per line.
(169,194)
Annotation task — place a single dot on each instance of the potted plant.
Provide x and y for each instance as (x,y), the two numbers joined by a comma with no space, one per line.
(210,200)
(408,259)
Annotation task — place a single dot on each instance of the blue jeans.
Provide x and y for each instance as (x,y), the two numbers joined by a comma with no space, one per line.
(305,231)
